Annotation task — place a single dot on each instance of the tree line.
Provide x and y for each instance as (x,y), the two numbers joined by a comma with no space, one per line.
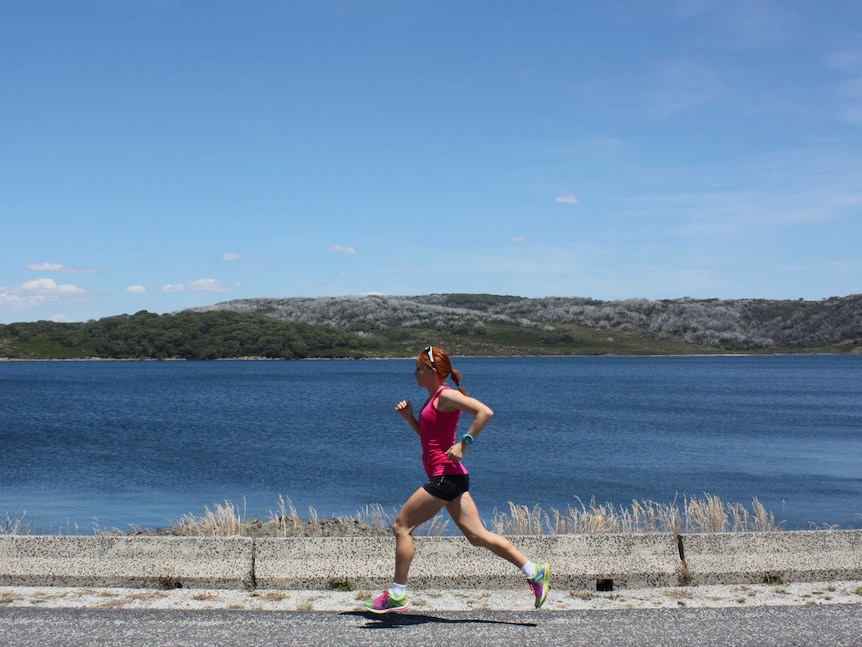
(183,335)
(389,326)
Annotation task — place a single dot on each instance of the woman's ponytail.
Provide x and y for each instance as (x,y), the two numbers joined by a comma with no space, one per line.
(439,361)
(456,378)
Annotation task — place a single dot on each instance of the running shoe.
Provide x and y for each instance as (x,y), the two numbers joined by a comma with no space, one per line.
(540,583)
(386,603)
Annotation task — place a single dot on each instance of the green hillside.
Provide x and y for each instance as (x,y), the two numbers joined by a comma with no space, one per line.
(466,324)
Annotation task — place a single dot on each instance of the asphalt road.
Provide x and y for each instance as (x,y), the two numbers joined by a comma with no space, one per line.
(831,625)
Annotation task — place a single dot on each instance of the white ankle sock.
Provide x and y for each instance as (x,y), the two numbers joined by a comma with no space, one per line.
(398,590)
(529,569)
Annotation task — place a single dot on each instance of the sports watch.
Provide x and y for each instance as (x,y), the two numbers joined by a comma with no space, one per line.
(467,438)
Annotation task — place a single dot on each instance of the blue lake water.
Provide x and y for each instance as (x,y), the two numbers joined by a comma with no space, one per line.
(121,444)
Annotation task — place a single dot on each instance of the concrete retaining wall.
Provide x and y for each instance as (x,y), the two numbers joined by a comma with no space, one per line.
(578,562)
(758,557)
(136,562)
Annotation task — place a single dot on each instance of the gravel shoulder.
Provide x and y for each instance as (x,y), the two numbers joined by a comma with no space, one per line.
(714,596)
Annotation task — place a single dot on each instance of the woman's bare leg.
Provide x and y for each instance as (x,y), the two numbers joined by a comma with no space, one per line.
(465,514)
(419,508)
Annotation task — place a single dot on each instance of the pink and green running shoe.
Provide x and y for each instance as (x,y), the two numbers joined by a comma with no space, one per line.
(386,603)
(540,583)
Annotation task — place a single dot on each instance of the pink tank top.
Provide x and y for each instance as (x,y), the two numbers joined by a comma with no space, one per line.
(437,429)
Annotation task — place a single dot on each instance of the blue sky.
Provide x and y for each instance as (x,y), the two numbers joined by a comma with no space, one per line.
(163,154)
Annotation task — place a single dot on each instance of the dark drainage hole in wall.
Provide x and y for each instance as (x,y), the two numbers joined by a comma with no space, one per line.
(604,585)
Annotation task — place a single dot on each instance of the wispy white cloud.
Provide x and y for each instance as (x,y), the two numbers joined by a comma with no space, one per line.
(781,189)
(233,257)
(32,294)
(59,267)
(211,285)
(567,199)
(344,249)
(136,289)
(48,288)
(200,285)
(519,239)
(12,299)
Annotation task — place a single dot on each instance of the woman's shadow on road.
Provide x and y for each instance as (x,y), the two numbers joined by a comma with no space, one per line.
(398,620)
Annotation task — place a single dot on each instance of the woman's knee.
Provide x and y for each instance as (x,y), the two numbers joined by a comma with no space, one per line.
(401,527)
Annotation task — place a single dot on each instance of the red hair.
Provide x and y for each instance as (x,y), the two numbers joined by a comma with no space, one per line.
(442,365)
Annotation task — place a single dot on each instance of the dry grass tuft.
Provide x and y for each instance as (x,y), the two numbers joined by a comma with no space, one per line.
(707,515)
(287,521)
(16,525)
(148,596)
(271,596)
(678,594)
(222,521)
(375,516)
(692,515)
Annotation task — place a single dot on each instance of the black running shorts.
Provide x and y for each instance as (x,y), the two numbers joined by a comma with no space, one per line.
(447,487)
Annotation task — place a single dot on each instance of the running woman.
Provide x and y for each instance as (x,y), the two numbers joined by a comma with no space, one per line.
(448,482)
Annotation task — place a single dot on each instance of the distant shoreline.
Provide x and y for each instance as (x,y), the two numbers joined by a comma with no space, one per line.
(372,359)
